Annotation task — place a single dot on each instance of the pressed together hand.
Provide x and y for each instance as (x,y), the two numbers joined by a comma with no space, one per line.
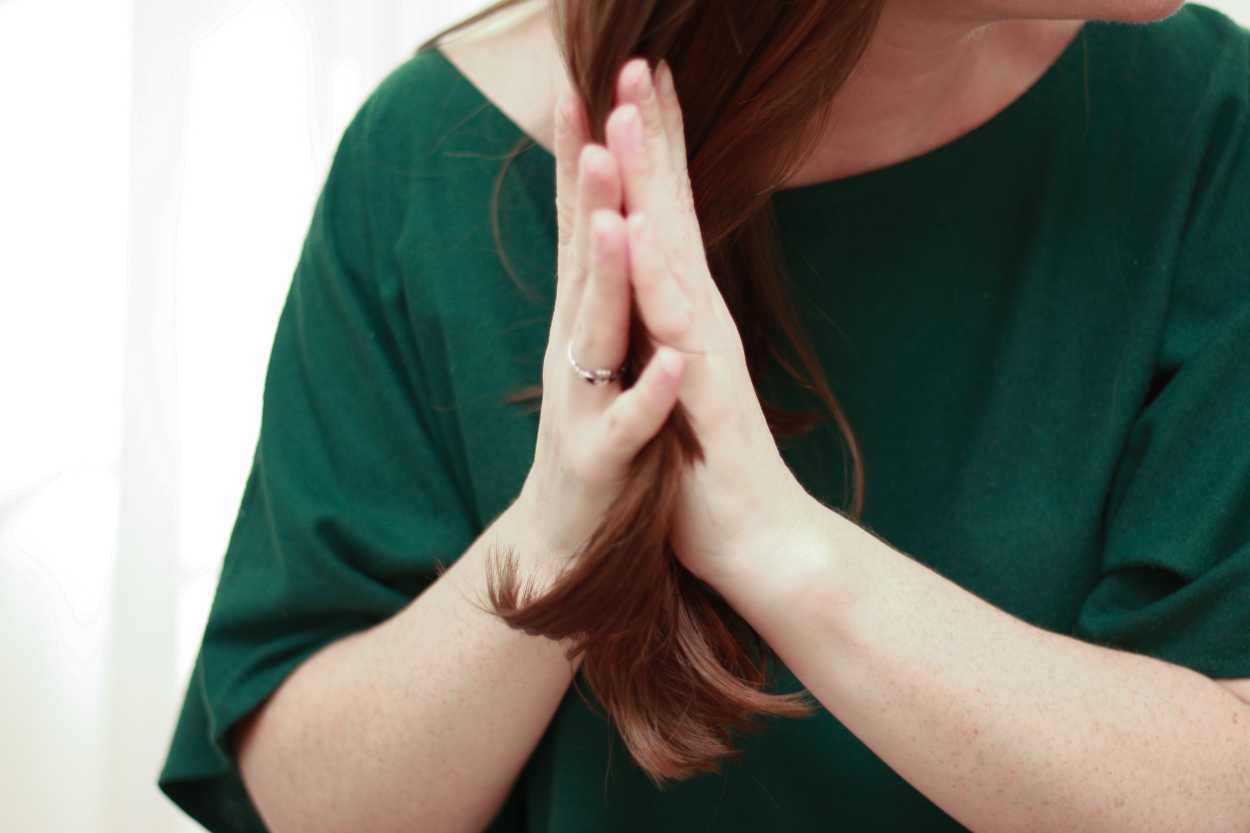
(628,232)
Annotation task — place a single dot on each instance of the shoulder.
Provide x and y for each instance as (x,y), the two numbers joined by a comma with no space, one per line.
(1188,78)
(1195,25)
(1167,107)
(1171,73)
(517,66)
(457,92)
(428,141)
(1192,41)
(1183,135)
(416,103)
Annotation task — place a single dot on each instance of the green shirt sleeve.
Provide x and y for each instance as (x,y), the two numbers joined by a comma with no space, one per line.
(1175,581)
(349,508)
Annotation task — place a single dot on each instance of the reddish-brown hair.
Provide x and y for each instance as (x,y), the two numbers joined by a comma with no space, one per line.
(676,668)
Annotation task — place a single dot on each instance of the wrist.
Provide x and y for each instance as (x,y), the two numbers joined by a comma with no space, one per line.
(796,558)
(517,531)
(538,564)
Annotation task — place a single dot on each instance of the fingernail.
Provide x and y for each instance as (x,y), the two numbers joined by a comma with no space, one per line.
(645,88)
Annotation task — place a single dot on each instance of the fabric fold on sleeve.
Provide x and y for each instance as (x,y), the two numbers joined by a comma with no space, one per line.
(1176,573)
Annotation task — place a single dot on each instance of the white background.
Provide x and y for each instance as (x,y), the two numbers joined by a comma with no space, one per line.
(159,162)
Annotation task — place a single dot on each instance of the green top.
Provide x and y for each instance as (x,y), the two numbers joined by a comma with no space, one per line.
(1040,331)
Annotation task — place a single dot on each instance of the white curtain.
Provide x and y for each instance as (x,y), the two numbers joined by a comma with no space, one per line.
(159,162)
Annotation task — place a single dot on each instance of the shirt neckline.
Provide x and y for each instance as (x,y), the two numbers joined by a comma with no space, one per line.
(961,153)
(942,156)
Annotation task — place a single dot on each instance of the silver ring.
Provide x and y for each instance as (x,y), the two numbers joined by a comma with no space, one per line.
(599,375)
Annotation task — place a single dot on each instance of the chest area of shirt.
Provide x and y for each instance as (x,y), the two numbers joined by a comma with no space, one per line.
(990,377)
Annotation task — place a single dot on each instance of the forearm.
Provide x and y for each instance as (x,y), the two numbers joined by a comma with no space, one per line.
(1005,726)
(420,723)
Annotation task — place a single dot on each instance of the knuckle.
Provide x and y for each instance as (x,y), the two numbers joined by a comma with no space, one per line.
(585,344)
(602,226)
(679,139)
(641,162)
(647,272)
(670,330)
(584,350)
(672,264)
(678,117)
(588,163)
(586,465)
(616,429)
(681,191)
(653,125)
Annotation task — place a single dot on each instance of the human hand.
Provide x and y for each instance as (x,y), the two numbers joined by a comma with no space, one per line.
(741,503)
(588,433)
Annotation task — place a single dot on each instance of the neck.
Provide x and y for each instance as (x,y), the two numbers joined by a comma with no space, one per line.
(925,80)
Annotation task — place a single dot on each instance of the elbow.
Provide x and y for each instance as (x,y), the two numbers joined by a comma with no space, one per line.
(275,774)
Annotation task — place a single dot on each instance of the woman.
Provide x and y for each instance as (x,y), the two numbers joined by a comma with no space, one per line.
(1022,254)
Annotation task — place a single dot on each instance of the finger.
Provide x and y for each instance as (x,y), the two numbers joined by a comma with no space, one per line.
(644,153)
(598,187)
(674,129)
(635,415)
(601,332)
(637,138)
(570,135)
(665,310)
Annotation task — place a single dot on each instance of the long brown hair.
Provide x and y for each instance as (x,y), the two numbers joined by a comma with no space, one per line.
(677,669)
